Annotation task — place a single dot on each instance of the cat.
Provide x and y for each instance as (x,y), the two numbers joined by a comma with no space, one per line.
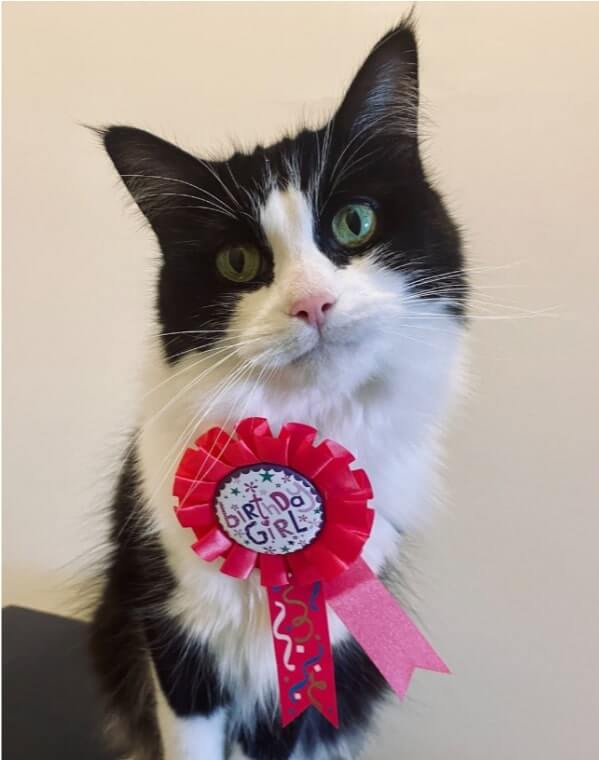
(318,280)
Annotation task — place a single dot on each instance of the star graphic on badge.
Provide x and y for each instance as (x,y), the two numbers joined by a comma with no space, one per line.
(235,491)
(266,475)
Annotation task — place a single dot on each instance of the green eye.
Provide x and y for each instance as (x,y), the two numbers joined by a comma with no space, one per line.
(239,263)
(354,224)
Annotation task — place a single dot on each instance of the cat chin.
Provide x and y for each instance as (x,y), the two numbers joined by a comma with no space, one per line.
(341,367)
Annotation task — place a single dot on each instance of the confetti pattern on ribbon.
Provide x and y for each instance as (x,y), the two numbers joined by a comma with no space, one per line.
(303,653)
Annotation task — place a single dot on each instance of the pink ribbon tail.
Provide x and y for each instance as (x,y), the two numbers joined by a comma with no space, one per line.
(381,627)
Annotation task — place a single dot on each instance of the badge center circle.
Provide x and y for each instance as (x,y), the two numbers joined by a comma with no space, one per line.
(269,508)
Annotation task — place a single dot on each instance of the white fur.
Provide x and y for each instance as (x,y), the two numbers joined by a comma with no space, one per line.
(193,738)
(377,380)
(190,738)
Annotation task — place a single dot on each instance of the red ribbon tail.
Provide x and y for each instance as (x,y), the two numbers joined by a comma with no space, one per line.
(300,635)
(381,627)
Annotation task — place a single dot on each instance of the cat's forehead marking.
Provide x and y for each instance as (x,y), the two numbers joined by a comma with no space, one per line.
(286,218)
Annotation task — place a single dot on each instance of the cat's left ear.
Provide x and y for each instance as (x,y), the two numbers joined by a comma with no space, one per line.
(384,93)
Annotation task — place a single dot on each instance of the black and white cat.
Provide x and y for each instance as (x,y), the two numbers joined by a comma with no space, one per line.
(317,280)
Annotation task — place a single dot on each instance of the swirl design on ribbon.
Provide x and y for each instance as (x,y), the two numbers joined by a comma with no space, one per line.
(300,620)
(283,636)
(314,684)
(298,615)
(299,685)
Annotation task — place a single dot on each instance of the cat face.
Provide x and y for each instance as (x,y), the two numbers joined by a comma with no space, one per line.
(309,261)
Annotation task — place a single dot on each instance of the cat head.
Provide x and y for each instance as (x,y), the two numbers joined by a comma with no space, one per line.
(310,260)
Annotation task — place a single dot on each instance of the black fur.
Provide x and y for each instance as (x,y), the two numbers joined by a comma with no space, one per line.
(137,579)
(195,208)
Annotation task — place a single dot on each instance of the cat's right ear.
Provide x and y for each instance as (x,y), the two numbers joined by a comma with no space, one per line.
(167,183)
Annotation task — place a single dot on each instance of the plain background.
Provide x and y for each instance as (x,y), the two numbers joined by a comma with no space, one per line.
(507,573)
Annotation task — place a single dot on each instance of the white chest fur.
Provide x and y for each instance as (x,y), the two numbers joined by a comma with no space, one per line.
(391,429)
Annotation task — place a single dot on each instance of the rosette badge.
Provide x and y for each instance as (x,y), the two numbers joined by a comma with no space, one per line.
(295,511)
(298,514)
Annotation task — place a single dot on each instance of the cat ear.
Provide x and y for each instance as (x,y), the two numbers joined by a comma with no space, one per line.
(167,183)
(384,93)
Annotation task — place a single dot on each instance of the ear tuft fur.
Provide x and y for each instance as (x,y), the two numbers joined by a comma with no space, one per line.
(384,94)
(166,182)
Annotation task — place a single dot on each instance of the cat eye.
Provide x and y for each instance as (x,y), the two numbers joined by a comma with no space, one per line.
(239,263)
(354,224)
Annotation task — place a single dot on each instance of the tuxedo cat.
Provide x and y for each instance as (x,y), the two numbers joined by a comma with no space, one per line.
(316,280)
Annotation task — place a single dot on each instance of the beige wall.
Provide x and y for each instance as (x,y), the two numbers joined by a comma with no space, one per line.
(508,574)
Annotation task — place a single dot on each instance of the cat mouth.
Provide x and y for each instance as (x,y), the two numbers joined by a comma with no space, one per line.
(323,349)
(310,355)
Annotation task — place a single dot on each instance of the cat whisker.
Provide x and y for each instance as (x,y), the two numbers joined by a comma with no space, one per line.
(232,415)
(164,179)
(215,203)
(195,422)
(198,207)
(209,355)
(236,209)
(241,371)
(202,331)
(211,201)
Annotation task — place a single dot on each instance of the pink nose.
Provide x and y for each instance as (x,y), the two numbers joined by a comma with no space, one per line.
(313,309)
